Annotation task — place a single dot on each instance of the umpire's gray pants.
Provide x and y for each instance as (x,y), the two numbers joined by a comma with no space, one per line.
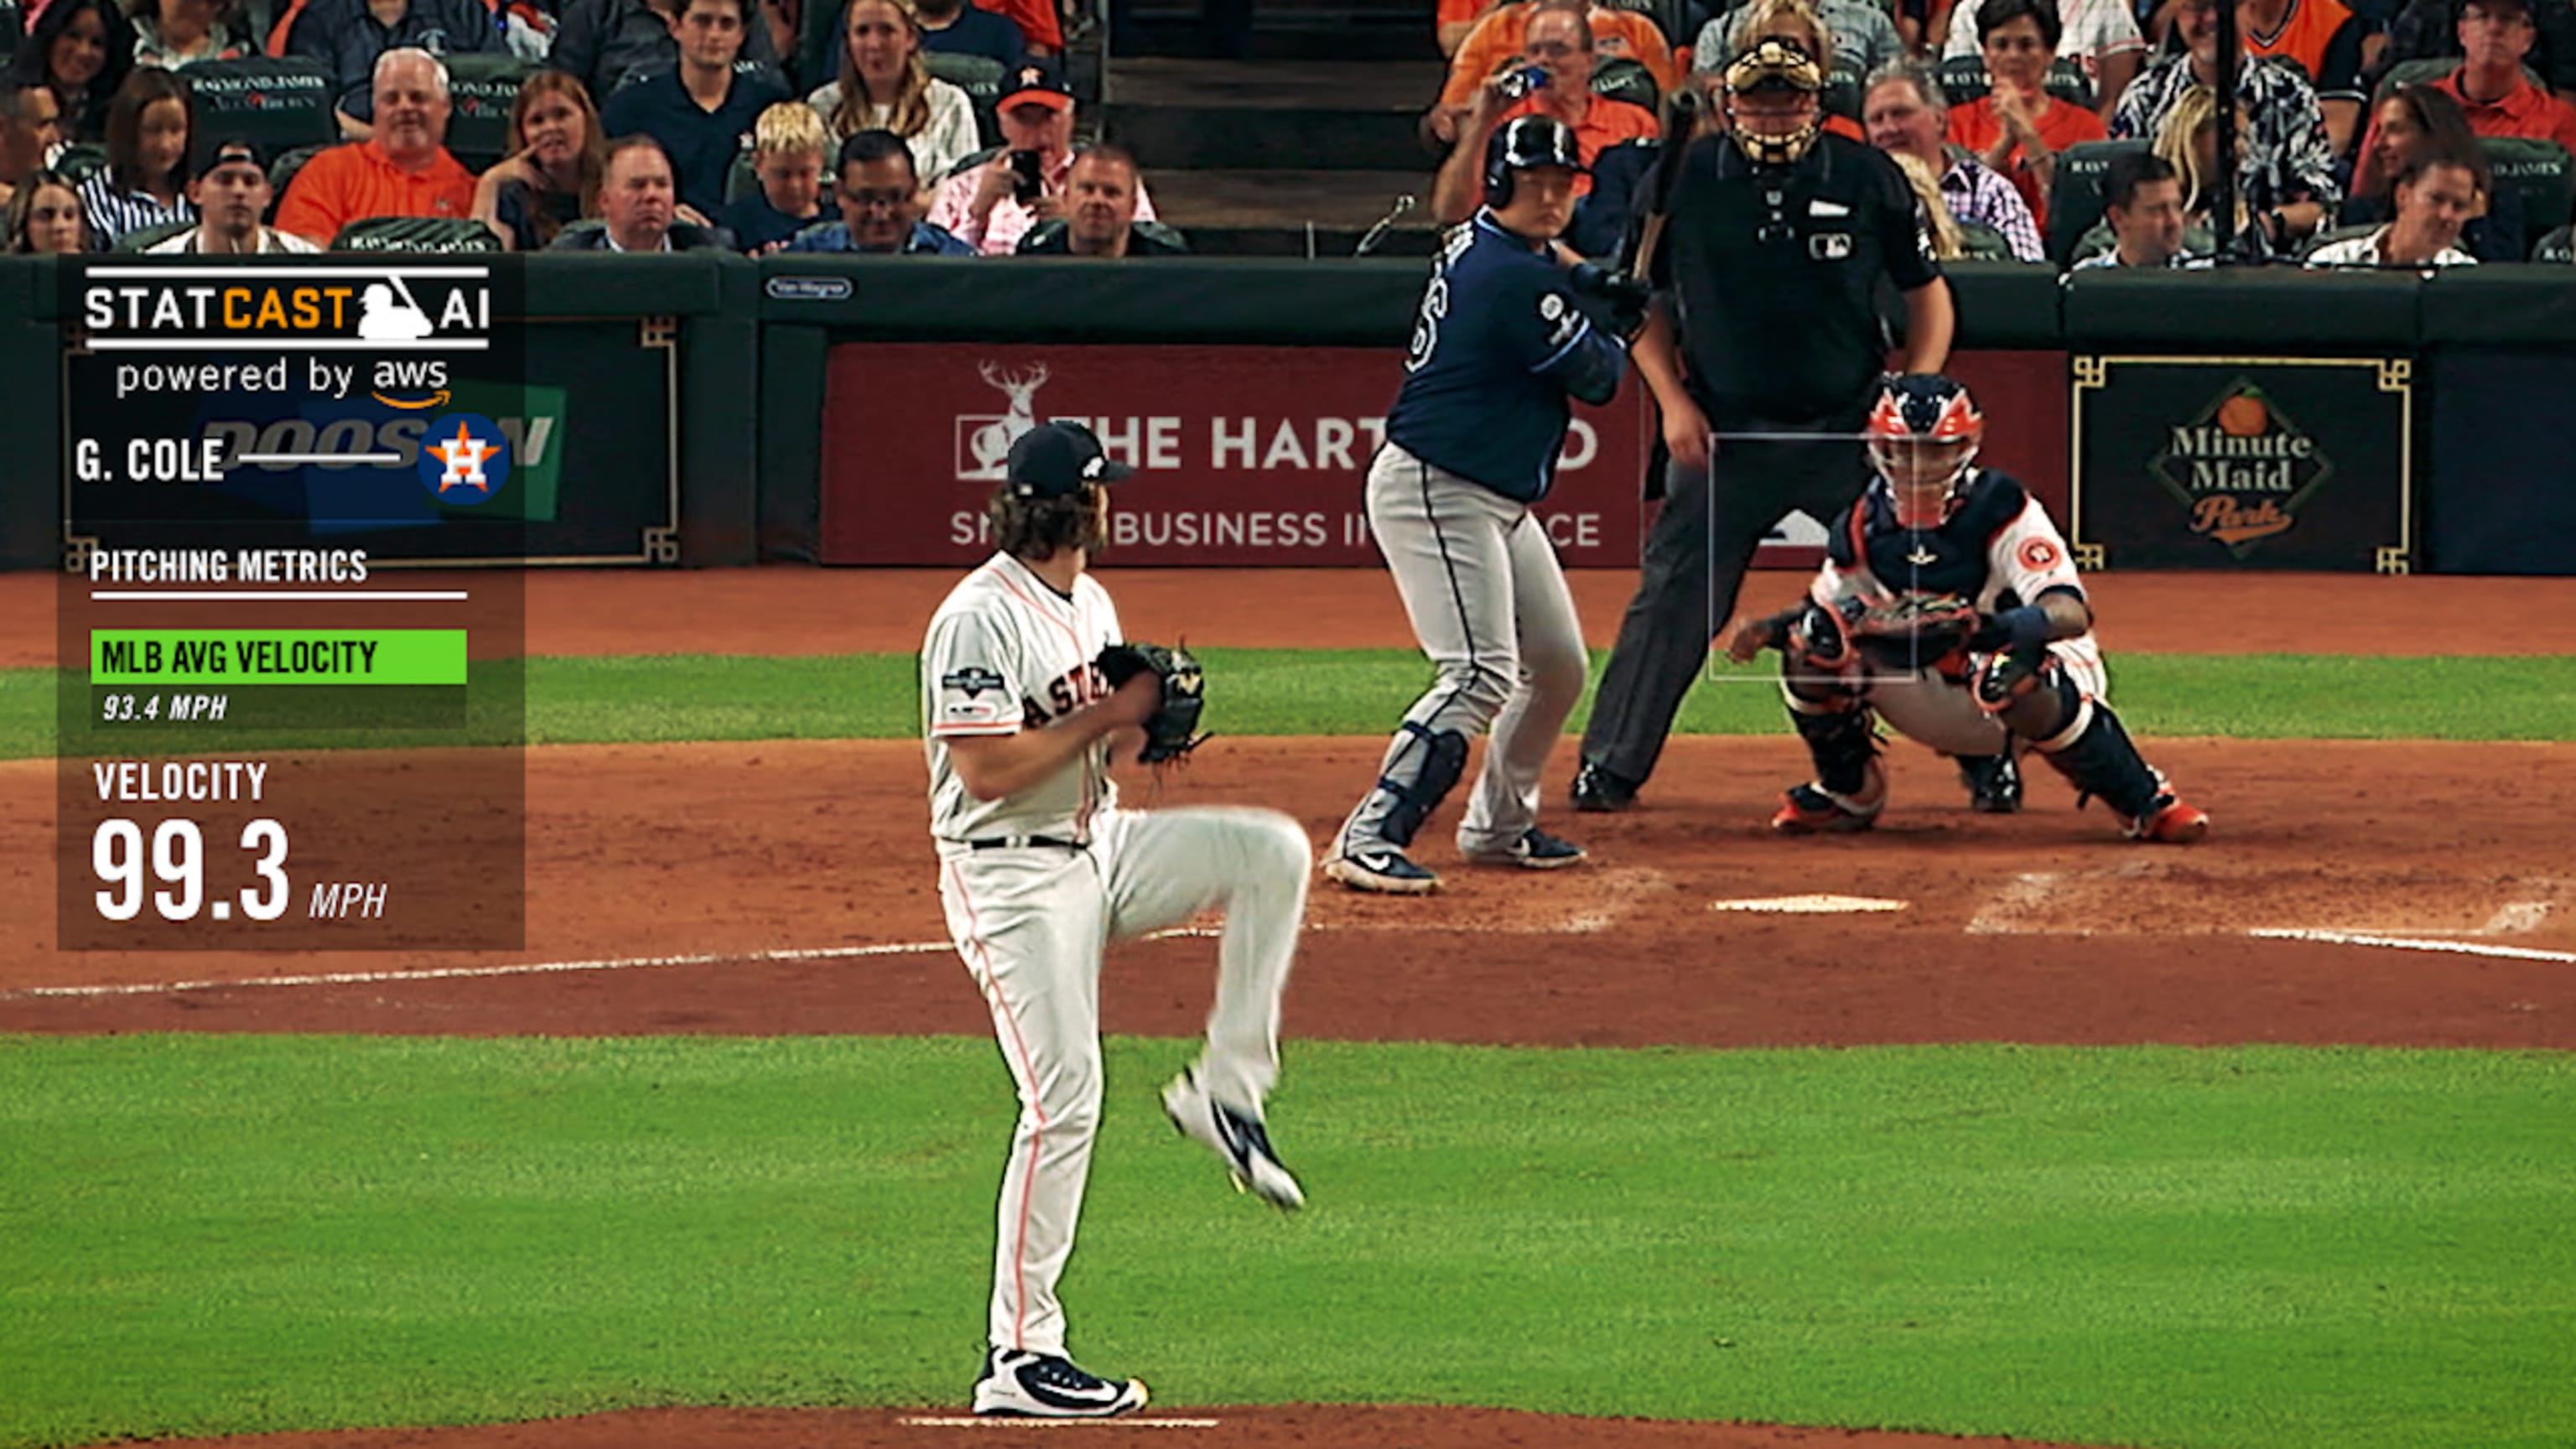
(1481,584)
(1696,553)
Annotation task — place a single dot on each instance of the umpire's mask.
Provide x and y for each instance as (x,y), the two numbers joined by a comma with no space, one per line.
(1774,101)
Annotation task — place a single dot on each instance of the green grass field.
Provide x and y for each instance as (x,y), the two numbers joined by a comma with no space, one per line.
(2266,1248)
(664,699)
(2258,1248)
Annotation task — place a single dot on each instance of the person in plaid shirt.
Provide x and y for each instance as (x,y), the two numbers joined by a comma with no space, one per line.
(2286,179)
(1906,115)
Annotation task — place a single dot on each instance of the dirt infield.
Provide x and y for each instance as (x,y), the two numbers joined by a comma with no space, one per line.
(797,876)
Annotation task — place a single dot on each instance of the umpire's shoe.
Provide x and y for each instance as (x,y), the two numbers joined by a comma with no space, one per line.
(1236,1137)
(1385,870)
(1018,1384)
(1534,850)
(1598,792)
(1993,781)
(1812,810)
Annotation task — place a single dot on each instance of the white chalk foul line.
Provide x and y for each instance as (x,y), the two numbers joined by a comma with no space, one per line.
(2414,943)
(972,1421)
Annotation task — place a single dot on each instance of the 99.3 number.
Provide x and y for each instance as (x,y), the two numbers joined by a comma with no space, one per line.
(178,859)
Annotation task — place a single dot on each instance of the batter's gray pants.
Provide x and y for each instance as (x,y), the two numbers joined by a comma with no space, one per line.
(1481,584)
(1695,557)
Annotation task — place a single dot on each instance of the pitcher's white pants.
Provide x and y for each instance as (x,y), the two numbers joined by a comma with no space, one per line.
(1487,599)
(1031,924)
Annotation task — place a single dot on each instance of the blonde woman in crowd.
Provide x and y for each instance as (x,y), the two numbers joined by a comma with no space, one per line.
(1946,243)
(886,86)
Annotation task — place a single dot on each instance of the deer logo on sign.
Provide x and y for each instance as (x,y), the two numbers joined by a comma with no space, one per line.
(984,441)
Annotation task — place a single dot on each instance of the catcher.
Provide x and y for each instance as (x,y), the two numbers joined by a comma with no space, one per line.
(1026,694)
(1948,604)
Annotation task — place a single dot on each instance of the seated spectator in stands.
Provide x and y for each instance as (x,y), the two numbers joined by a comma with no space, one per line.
(174,34)
(605,43)
(1907,115)
(954,27)
(80,50)
(638,206)
(44,217)
(787,153)
(2146,210)
(2430,30)
(2493,93)
(2324,40)
(2099,35)
(704,111)
(2435,195)
(2189,142)
(991,205)
(2017,128)
(1558,42)
(403,170)
(551,177)
(229,186)
(30,127)
(2287,173)
(2420,118)
(880,199)
(885,85)
(347,37)
(1937,221)
(1864,37)
(145,183)
(1495,45)
(1100,213)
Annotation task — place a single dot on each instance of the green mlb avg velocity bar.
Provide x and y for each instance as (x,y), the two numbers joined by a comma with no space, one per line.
(278,656)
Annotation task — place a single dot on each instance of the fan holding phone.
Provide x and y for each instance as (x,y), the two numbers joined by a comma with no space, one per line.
(992,199)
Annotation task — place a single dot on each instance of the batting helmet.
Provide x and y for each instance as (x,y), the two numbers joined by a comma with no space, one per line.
(1524,142)
(1775,64)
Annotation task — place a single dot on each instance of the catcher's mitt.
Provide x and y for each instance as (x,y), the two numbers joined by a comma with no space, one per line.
(1172,731)
(1913,629)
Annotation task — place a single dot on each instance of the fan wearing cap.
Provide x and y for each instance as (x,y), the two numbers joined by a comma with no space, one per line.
(1041,866)
(1500,347)
(228,182)
(993,198)
(1777,237)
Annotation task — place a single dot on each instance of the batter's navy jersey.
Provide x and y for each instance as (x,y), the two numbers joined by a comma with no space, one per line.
(1498,346)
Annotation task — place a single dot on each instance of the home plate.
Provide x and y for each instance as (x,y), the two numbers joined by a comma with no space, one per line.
(976,1421)
(1809,905)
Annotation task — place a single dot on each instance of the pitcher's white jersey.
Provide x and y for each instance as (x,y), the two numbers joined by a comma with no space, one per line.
(1006,652)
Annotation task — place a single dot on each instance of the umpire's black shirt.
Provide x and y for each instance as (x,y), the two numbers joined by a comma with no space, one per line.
(1777,271)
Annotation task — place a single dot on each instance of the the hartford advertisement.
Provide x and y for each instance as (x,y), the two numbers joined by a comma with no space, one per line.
(1246,455)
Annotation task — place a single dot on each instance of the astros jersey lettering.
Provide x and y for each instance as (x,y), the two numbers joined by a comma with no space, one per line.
(1006,652)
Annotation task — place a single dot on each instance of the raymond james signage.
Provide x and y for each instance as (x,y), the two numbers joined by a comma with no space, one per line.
(2271,463)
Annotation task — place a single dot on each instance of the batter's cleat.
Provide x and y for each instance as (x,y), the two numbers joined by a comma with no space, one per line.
(1993,781)
(1535,850)
(1598,792)
(2168,821)
(1018,1384)
(1810,810)
(1385,871)
(1236,1137)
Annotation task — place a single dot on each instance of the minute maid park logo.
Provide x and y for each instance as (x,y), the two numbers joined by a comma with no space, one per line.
(2242,467)
(464,459)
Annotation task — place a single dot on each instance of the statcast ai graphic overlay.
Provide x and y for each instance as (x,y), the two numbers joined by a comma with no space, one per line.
(291,715)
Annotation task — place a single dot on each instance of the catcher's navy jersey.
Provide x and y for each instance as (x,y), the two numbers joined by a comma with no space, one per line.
(1497,347)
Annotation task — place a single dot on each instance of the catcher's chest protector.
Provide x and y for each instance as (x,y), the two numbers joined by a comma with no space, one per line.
(1950,559)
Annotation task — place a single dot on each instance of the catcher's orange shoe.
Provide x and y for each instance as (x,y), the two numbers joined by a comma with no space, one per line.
(2169,821)
(1810,809)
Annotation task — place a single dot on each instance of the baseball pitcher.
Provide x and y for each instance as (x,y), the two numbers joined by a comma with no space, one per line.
(1947,604)
(1026,690)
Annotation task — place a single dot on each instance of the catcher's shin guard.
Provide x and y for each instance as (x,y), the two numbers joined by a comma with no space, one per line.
(1842,740)
(2095,754)
(1420,772)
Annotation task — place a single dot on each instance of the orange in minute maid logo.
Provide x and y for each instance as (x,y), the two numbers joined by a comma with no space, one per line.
(2242,467)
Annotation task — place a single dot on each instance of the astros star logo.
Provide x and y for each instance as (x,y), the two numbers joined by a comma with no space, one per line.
(463,456)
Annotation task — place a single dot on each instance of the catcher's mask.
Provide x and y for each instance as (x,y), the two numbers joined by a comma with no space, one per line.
(1782,128)
(1923,437)
(1525,143)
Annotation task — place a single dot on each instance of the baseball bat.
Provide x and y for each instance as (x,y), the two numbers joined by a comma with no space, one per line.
(1681,117)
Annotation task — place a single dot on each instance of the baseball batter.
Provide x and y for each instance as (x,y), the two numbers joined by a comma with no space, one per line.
(1039,868)
(1947,604)
(1471,446)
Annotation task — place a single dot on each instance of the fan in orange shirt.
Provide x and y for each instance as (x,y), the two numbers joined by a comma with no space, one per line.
(2018,127)
(1559,43)
(1496,43)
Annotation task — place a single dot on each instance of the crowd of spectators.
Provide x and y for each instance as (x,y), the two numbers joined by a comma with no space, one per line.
(633,125)
(2357,123)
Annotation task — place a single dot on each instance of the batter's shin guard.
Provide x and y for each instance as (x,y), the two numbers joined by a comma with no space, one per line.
(1420,772)
(2094,753)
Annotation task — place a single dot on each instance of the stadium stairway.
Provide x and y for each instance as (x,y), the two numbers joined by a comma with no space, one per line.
(1300,149)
